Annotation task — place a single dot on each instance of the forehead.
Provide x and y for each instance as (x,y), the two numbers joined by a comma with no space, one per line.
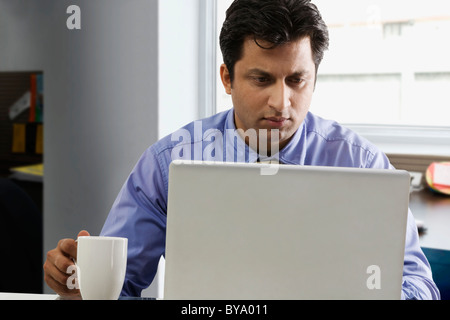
(292,55)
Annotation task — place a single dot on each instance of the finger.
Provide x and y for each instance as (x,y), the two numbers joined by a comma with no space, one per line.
(83,233)
(56,274)
(62,290)
(62,283)
(57,259)
(68,247)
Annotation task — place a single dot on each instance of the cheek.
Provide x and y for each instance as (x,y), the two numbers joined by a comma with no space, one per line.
(302,103)
(247,101)
(300,110)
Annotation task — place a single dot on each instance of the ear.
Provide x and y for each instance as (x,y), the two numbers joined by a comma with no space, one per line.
(225,76)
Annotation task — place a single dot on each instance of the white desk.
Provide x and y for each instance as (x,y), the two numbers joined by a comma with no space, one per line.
(27,296)
(34,296)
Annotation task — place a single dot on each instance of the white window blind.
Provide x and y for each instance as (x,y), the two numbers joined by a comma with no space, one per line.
(388,62)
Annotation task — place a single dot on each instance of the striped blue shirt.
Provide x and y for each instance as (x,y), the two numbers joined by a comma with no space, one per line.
(139,212)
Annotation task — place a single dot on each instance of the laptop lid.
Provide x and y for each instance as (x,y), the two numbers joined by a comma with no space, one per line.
(302,233)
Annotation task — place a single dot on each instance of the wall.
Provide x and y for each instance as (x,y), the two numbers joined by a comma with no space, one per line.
(101,99)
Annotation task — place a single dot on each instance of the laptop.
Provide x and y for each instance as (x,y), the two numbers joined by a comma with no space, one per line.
(304,232)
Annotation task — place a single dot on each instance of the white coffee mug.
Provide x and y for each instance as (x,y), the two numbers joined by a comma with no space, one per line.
(101,264)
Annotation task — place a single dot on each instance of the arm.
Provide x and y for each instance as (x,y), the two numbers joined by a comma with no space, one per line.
(417,277)
(139,214)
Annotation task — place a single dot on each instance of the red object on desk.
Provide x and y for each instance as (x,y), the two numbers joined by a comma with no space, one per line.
(439,183)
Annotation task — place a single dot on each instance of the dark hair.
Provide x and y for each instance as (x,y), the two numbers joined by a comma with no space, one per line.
(273,21)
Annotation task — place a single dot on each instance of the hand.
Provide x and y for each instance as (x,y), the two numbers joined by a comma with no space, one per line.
(57,264)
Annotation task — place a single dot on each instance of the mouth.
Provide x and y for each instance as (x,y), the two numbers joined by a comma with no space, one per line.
(276,122)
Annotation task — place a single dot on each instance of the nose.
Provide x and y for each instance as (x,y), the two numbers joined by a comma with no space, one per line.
(279,98)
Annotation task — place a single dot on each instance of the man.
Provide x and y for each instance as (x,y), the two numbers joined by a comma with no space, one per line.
(272,50)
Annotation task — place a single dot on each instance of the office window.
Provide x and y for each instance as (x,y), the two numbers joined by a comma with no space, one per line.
(388,63)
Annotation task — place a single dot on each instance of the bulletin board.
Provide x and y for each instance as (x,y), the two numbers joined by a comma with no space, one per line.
(21,119)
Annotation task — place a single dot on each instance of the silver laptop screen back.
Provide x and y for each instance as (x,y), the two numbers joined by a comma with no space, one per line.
(302,233)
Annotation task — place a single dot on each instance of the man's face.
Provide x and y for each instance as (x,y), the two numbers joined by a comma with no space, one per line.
(272,88)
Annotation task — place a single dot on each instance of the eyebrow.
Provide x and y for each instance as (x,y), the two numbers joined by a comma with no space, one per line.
(265,73)
(256,71)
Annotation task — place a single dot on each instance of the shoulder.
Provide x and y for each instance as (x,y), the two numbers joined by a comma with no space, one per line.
(193,132)
(348,148)
(331,131)
(152,168)
(161,153)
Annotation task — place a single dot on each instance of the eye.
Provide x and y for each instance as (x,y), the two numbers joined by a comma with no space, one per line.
(296,80)
(261,80)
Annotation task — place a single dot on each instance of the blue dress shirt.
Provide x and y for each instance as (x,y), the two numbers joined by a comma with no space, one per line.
(139,212)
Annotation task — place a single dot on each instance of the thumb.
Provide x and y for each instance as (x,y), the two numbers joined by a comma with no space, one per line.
(83,233)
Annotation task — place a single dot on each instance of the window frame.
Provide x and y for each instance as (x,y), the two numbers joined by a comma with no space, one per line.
(406,140)
(207,58)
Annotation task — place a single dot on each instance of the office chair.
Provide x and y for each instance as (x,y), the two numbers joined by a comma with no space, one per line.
(20,241)
(440,266)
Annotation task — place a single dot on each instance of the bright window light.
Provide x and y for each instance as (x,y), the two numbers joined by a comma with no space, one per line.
(388,63)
